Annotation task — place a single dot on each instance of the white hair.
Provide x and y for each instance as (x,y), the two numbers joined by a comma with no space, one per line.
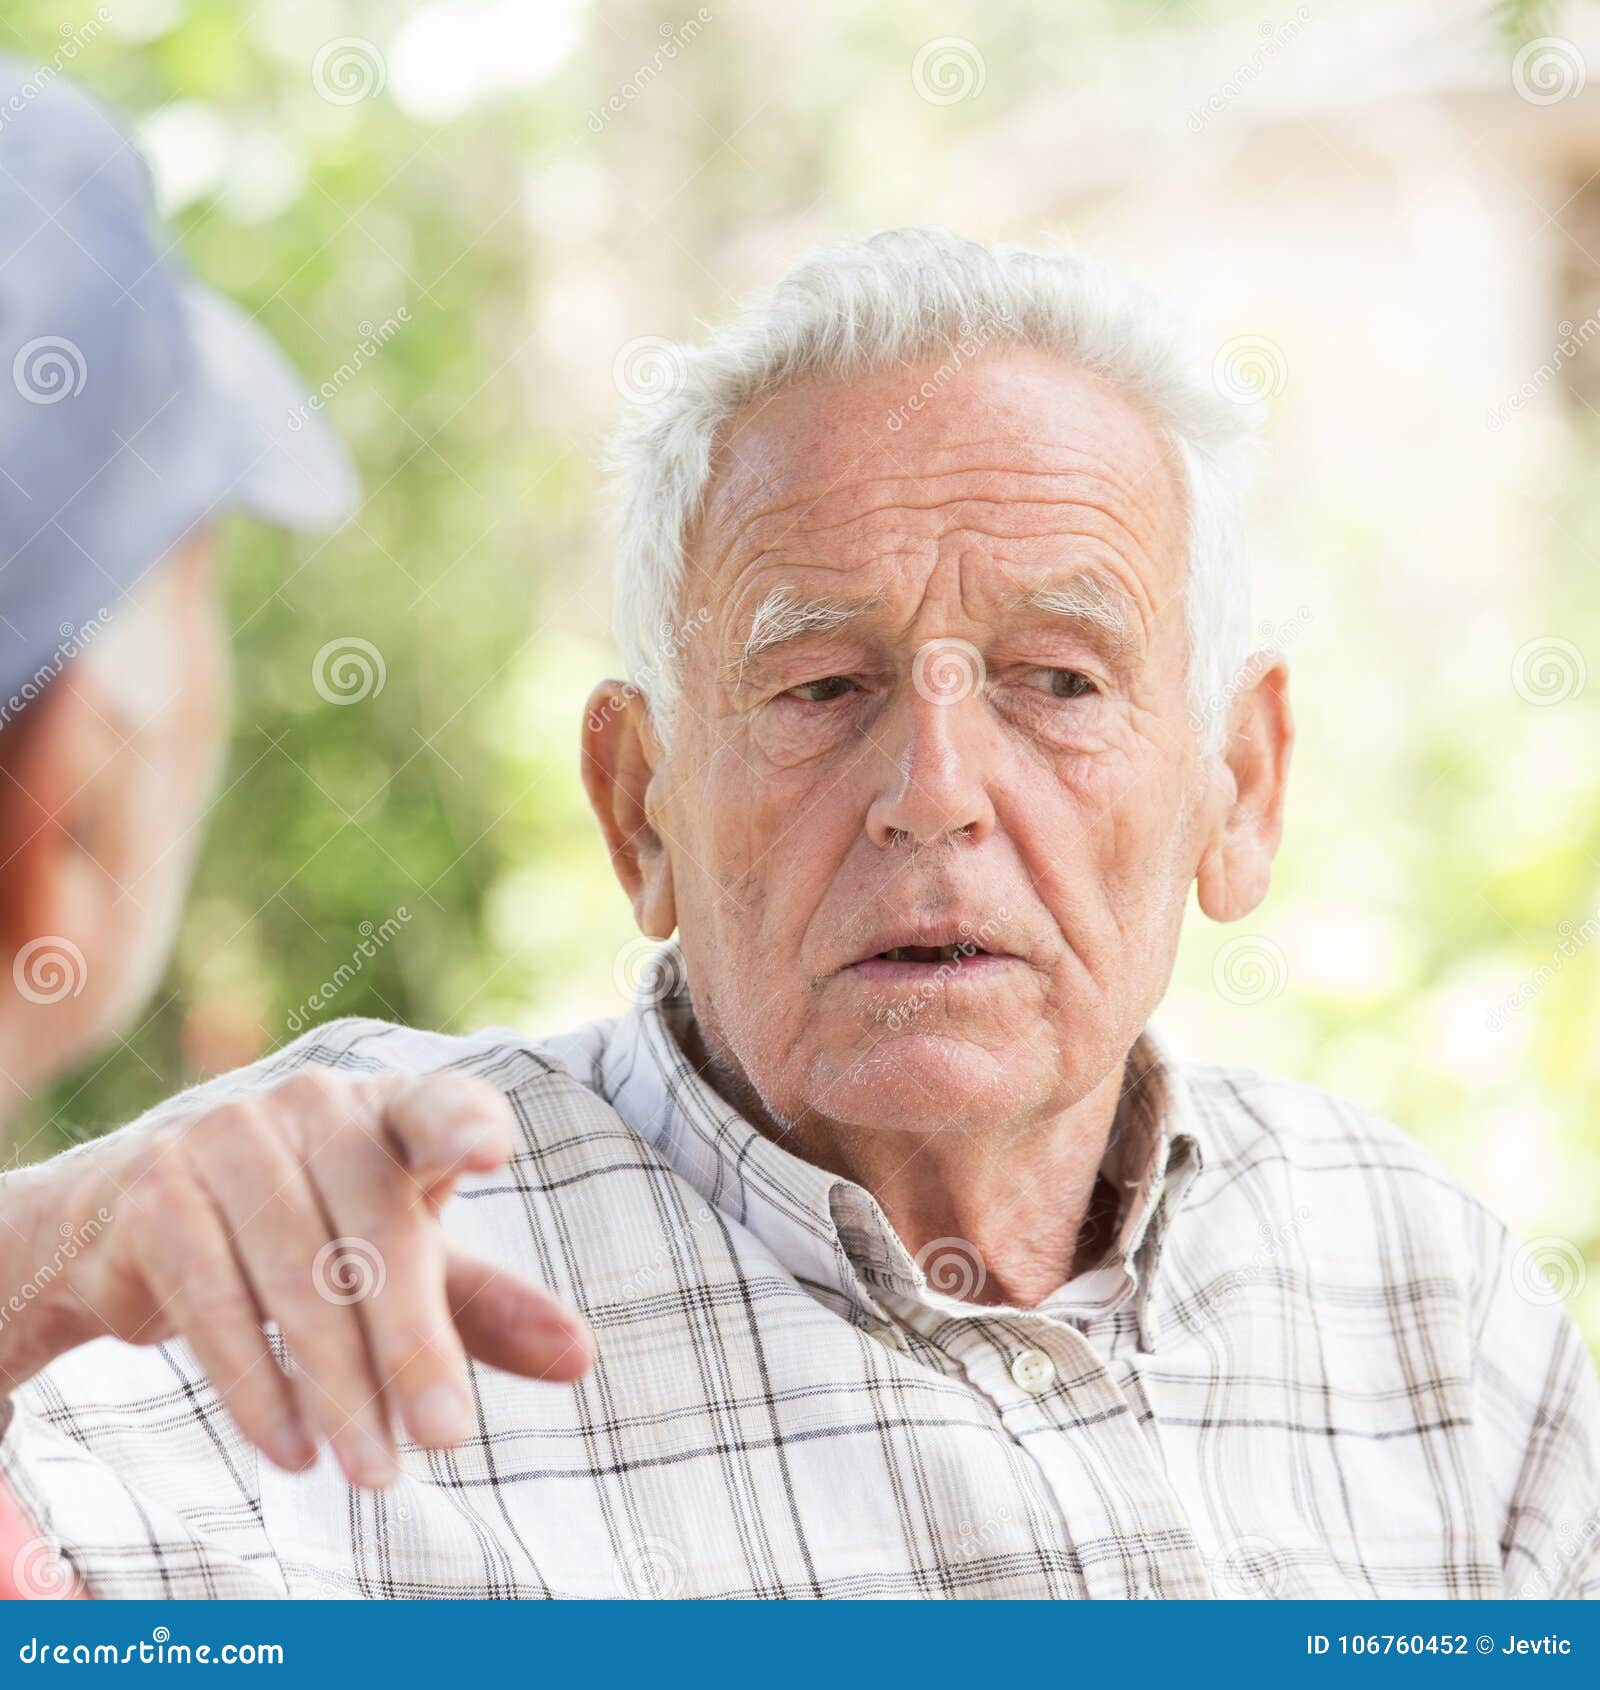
(901,299)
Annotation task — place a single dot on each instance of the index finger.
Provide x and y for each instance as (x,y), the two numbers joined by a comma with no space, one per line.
(444,1125)
(510,1323)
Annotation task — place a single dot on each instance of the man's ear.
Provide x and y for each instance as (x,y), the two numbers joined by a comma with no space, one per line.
(621,756)
(1236,866)
(61,782)
(49,800)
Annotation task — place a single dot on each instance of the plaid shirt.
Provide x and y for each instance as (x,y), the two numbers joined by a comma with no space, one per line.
(1310,1366)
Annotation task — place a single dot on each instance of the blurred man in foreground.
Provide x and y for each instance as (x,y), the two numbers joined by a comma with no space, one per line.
(136,408)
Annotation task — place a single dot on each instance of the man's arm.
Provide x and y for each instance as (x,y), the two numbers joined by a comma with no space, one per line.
(1539,1404)
(312,1204)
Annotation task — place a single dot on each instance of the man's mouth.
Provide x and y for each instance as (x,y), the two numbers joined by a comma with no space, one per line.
(903,950)
(927,953)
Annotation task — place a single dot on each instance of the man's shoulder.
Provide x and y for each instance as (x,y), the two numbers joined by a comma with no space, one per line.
(1243,1110)
(504,1056)
(1353,1194)
(555,1085)
(1250,1120)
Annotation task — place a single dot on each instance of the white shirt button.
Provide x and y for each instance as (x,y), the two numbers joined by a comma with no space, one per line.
(1033,1371)
(889,1335)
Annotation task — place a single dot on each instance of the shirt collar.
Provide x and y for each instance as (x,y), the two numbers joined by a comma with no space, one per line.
(830,1233)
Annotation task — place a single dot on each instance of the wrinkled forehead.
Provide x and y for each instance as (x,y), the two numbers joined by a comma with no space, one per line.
(1015,444)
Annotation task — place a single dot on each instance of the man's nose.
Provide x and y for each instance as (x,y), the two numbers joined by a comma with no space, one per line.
(936,769)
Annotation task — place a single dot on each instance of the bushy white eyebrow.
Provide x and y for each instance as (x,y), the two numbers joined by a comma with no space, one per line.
(1086,598)
(783,616)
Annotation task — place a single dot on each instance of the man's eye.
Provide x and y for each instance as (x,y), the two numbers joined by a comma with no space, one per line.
(820,692)
(1062,683)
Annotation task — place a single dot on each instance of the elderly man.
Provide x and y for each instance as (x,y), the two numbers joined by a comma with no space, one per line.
(915,1267)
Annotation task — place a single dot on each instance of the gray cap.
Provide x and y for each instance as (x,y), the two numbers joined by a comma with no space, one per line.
(136,404)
